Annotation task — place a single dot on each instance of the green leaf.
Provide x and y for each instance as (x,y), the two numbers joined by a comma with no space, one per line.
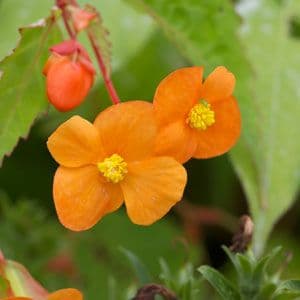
(220,283)
(266,292)
(288,287)
(233,260)
(270,166)
(140,269)
(22,91)
(263,263)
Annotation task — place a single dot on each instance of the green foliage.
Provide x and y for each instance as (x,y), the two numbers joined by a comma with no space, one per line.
(140,269)
(266,158)
(255,281)
(94,256)
(219,282)
(288,287)
(122,21)
(274,161)
(22,91)
(184,283)
(17,13)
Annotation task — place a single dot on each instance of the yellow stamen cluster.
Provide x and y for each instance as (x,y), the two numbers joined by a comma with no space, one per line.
(113,168)
(201,116)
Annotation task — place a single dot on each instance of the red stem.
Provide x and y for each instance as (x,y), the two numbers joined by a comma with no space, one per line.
(67,25)
(62,5)
(107,81)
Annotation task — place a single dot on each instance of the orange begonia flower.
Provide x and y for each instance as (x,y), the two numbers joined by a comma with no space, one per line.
(64,294)
(196,119)
(68,80)
(110,162)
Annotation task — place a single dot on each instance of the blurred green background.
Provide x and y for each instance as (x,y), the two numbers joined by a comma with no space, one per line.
(142,55)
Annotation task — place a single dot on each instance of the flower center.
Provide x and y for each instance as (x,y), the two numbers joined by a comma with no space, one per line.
(113,168)
(201,116)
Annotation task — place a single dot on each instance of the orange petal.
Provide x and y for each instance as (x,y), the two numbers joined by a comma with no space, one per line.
(75,143)
(177,93)
(223,134)
(218,85)
(128,129)
(66,294)
(82,197)
(17,298)
(176,140)
(67,83)
(152,187)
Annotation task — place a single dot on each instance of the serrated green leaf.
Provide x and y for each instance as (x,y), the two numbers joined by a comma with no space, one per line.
(140,269)
(22,91)
(220,283)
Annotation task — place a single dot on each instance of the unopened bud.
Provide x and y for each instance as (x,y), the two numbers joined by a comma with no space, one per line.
(69,78)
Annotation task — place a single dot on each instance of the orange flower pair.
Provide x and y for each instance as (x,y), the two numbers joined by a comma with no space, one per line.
(132,152)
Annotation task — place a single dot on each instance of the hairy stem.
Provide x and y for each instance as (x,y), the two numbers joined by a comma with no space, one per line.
(107,80)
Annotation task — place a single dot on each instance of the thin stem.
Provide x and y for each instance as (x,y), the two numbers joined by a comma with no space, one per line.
(107,81)
(67,25)
(62,5)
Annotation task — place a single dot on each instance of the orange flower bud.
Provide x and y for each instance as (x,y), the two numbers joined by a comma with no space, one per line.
(68,80)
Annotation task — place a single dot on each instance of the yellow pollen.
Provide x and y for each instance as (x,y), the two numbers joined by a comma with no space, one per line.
(113,168)
(201,116)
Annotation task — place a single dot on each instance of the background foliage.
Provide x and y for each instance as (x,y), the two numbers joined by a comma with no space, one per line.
(258,40)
